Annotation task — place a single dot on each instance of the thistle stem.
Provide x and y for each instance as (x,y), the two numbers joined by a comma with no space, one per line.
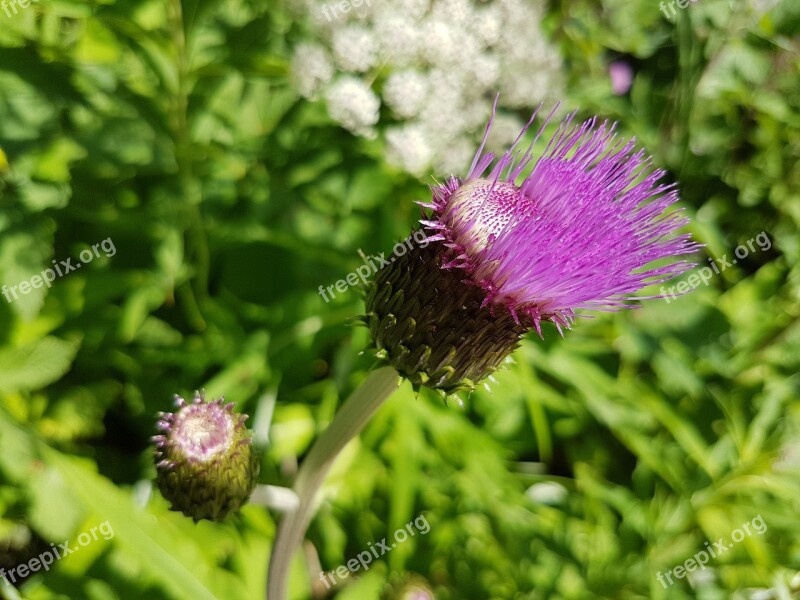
(348,423)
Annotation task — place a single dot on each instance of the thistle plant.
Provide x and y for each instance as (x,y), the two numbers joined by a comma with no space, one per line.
(206,465)
(588,226)
(580,231)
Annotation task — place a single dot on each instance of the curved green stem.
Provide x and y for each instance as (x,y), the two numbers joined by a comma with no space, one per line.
(348,423)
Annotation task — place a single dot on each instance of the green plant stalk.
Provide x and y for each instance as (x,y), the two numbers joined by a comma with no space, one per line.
(196,239)
(348,423)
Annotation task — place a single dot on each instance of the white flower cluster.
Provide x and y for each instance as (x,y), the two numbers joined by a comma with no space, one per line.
(435,65)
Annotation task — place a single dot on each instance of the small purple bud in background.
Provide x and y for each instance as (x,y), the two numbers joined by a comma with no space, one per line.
(621,77)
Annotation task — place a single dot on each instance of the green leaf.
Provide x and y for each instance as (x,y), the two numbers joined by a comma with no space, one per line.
(35,365)
(167,553)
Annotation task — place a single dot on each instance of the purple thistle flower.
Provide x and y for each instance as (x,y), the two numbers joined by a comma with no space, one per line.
(587,227)
(578,232)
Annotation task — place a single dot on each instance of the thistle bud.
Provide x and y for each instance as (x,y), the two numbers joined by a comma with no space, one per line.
(206,465)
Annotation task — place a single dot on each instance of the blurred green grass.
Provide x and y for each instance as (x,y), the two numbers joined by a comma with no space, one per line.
(172,129)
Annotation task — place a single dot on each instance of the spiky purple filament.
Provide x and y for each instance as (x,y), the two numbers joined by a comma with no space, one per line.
(578,232)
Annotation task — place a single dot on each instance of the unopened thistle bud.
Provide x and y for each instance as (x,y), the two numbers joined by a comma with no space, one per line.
(579,232)
(206,465)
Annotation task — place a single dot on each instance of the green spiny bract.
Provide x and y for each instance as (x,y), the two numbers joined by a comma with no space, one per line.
(430,325)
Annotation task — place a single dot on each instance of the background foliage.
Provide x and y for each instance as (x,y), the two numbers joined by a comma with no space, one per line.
(172,128)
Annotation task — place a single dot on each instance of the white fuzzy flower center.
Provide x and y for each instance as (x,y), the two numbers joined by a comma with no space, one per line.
(480,210)
(204,433)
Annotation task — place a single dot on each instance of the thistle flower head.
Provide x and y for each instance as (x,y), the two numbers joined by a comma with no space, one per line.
(205,462)
(580,231)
